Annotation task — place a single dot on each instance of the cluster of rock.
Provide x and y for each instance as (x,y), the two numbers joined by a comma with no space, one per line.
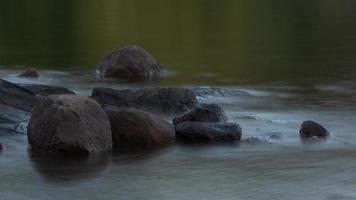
(62,122)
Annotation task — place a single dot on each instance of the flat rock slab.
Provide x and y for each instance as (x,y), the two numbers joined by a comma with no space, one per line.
(157,99)
(205,132)
(46,90)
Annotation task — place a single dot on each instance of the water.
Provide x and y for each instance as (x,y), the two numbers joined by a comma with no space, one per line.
(278,63)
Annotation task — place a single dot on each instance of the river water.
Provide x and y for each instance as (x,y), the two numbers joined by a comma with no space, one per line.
(277,63)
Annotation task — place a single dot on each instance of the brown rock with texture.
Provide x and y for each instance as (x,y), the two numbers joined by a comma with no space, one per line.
(69,124)
(136,129)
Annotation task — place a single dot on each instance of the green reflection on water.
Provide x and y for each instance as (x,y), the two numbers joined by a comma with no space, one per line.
(237,40)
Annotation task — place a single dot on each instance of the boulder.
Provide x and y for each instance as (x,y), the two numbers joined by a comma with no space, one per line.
(203,113)
(313,130)
(46,90)
(129,62)
(206,132)
(159,100)
(134,129)
(69,124)
(30,73)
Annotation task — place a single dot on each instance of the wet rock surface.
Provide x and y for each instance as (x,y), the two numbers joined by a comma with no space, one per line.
(157,99)
(45,90)
(311,130)
(16,105)
(130,62)
(134,129)
(203,113)
(205,132)
(69,124)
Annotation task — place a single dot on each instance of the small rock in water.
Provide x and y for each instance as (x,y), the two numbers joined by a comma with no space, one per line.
(1,148)
(203,113)
(255,141)
(312,130)
(30,73)
(247,117)
(129,62)
(205,132)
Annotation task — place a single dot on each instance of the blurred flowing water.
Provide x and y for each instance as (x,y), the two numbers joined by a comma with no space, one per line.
(270,64)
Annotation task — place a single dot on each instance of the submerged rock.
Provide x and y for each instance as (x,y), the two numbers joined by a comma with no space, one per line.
(135,129)
(161,100)
(69,124)
(203,113)
(129,62)
(30,73)
(16,96)
(205,132)
(16,105)
(46,90)
(313,130)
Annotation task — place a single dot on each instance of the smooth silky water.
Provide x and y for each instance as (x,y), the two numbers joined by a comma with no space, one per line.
(279,63)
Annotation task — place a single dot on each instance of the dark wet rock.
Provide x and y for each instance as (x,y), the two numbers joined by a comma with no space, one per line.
(30,73)
(69,124)
(129,62)
(1,148)
(206,132)
(160,100)
(203,113)
(46,90)
(16,96)
(136,129)
(313,130)
(16,105)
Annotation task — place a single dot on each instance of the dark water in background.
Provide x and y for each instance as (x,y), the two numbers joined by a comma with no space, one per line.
(239,40)
(280,62)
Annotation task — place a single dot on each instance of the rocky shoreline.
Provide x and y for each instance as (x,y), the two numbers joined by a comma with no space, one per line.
(58,121)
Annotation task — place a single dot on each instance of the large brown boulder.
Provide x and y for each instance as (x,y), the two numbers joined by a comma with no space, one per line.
(69,124)
(129,62)
(157,99)
(134,129)
(203,113)
(206,132)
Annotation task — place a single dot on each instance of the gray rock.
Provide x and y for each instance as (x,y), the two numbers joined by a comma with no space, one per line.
(30,73)
(205,132)
(159,100)
(16,96)
(313,130)
(46,90)
(135,129)
(129,62)
(16,105)
(203,113)
(69,124)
